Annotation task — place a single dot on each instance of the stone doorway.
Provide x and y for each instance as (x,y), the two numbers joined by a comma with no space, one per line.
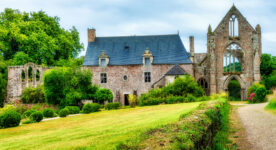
(241,82)
(126,102)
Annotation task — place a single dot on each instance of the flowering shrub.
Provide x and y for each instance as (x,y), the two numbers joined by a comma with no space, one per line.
(251,97)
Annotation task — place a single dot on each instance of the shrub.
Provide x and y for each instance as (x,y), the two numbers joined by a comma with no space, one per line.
(63,112)
(234,89)
(6,108)
(9,118)
(28,113)
(48,112)
(272,103)
(260,95)
(190,98)
(254,88)
(175,99)
(110,106)
(67,86)
(132,99)
(91,107)
(103,95)
(73,109)
(28,122)
(36,116)
(21,108)
(33,95)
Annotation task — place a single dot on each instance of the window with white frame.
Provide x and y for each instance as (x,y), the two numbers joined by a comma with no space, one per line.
(147,77)
(103,78)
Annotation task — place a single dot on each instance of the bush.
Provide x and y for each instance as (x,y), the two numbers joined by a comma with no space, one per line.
(103,95)
(91,107)
(6,108)
(9,118)
(254,88)
(260,95)
(190,98)
(21,108)
(28,122)
(234,89)
(110,106)
(67,86)
(174,99)
(272,103)
(28,113)
(63,112)
(73,109)
(36,116)
(48,112)
(33,95)
(132,99)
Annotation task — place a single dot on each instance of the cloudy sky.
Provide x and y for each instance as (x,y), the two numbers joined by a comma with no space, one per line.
(146,17)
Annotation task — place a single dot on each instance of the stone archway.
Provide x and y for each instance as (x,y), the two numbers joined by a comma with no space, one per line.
(242,84)
(204,84)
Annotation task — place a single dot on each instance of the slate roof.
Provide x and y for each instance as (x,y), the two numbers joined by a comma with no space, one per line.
(176,70)
(128,50)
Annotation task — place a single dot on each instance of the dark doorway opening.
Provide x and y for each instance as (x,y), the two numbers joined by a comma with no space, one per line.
(204,84)
(234,90)
(126,100)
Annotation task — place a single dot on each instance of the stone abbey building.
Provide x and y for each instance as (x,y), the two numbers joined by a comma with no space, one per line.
(135,64)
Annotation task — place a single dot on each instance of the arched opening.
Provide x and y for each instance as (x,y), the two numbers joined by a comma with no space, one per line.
(233,26)
(204,84)
(30,74)
(37,75)
(23,76)
(234,90)
(232,60)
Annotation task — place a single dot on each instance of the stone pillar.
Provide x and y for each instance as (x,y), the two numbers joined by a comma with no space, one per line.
(213,62)
(192,50)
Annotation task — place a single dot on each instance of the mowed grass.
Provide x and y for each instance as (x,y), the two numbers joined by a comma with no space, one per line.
(101,130)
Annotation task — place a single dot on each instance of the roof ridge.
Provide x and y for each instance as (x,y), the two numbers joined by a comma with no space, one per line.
(137,35)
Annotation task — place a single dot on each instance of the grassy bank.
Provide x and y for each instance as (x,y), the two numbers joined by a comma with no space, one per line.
(101,130)
(271,106)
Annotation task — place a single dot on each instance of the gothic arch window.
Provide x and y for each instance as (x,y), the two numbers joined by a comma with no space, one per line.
(30,73)
(233,26)
(232,61)
(204,84)
(22,75)
(37,75)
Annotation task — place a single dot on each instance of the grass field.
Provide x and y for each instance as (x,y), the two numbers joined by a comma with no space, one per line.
(101,130)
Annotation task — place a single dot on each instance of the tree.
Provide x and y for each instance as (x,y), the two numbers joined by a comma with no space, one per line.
(267,65)
(37,36)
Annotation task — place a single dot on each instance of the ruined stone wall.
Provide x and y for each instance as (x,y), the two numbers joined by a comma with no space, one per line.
(135,78)
(16,83)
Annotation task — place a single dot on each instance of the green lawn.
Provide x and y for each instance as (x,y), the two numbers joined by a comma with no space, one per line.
(101,130)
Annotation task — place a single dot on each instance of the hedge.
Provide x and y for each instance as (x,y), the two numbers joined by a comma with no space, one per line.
(48,112)
(9,118)
(73,109)
(91,107)
(110,106)
(193,131)
(36,116)
(63,112)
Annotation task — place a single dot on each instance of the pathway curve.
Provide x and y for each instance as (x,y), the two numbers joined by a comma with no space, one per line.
(259,125)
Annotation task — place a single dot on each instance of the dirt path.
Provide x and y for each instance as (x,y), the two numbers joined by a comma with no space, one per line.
(259,126)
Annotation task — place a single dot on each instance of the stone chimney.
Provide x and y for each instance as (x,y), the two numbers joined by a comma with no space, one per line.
(192,50)
(91,35)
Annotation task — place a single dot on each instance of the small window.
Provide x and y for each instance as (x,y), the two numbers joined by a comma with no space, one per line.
(147,77)
(103,62)
(125,77)
(147,61)
(103,78)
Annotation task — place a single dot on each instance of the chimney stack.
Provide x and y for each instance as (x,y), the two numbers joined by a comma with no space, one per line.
(192,50)
(91,35)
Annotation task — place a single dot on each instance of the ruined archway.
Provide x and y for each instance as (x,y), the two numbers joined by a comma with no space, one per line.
(242,85)
(204,84)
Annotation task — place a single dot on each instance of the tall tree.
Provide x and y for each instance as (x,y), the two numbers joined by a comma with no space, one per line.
(37,36)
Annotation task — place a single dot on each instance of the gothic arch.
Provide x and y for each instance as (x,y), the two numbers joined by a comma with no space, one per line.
(233,54)
(238,78)
(203,82)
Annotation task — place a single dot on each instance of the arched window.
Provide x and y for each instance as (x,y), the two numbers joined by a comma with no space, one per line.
(30,74)
(37,75)
(22,75)
(204,84)
(232,61)
(233,26)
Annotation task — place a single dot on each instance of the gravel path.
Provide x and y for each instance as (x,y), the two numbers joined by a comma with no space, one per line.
(259,125)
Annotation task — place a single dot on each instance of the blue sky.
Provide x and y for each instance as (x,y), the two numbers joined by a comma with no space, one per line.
(146,17)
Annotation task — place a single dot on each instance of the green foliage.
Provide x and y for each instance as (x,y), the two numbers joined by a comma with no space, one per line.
(73,109)
(21,108)
(7,108)
(28,122)
(36,116)
(68,86)
(20,58)
(268,70)
(91,107)
(64,112)
(38,36)
(28,113)
(103,95)
(234,89)
(270,81)
(48,112)
(183,89)
(3,79)
(110,106)
(71,62)
(9,118)
(132,100)
(260,95)
(272,103)
(254,88)
(33,95)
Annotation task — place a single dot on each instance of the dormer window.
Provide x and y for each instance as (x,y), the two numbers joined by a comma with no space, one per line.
(103,59)
(147,57)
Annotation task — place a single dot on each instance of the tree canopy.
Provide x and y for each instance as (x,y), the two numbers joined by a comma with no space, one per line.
(37,37)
